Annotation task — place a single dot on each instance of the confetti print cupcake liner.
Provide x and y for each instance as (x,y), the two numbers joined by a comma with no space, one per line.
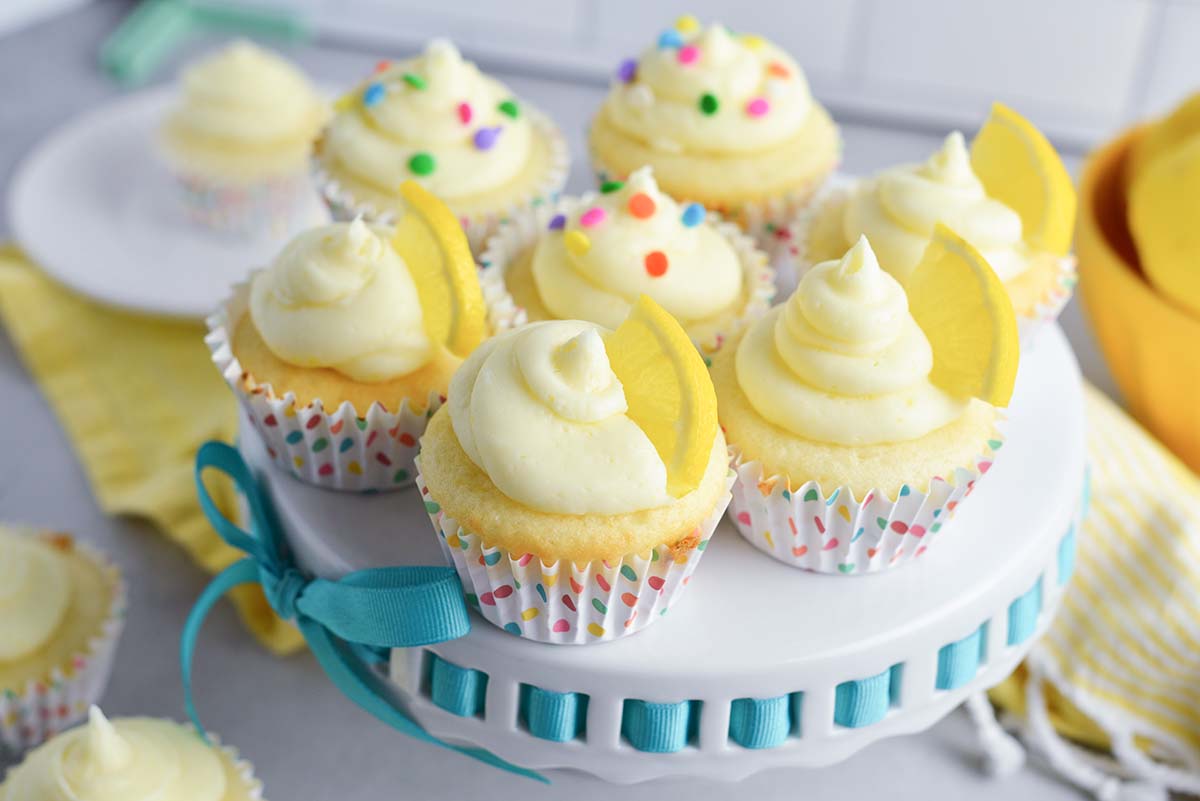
(31,715)
(521,232)
(566,603)
(797,262)
(835,533)
(478,227)
(341,449)
(240,208)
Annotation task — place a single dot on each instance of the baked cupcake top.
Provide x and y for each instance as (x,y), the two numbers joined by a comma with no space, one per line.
(340,296)
(707,89)
(898,209)
(434,118)
(35,594)
(843,361)
(131,759)
(243,97)
(634,240)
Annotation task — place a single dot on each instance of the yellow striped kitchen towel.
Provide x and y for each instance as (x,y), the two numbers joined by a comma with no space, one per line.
(1119,667)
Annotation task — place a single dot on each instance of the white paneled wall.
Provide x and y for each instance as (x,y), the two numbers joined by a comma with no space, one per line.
(1080,68)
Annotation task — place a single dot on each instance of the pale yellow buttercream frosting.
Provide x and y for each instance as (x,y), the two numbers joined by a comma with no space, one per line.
(436,119)
(540,411)
(636,243)
(35,593)
(843,361)
(340,296)
(898,209)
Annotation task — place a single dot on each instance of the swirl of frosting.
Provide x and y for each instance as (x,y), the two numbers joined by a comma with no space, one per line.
(437,119)
(35,592)
(636,243)
(710,91)
(131,759)
(248,95)
(898,209)
(540,411)
(340,296)
(843,361)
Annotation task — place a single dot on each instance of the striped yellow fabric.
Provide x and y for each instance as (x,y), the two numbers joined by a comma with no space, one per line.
(1123,653)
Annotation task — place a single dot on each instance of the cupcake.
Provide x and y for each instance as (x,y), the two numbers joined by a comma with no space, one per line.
(341,349)
(590,258)
(858,418)
(131,759)
(575,475)
(240,139)
(62,608)
(1010,197)
(438,120)
(725,119)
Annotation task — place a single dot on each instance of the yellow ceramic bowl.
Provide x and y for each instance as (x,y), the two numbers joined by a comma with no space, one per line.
(1150,344)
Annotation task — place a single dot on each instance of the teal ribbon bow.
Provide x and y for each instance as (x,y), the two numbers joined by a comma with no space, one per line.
(344,622)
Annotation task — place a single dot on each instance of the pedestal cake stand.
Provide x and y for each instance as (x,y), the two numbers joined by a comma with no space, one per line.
(760,665)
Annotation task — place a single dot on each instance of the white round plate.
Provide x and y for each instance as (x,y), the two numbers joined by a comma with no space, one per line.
(96,209)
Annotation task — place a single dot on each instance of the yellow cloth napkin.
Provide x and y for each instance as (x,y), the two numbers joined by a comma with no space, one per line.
(137,396)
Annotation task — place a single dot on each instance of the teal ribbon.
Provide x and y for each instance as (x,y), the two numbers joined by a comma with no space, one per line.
(345,622)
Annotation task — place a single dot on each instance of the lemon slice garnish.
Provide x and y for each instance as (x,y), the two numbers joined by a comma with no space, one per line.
(432,243)
(1021,169)
(668,391)
(961,305)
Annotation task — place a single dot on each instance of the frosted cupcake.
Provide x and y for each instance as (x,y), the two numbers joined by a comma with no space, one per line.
(725,119)
(341,349)
(131,759)
(62,608)
(576,474)
(857,425)
(240,139)
(1016,209)
(590,258)
(440,121)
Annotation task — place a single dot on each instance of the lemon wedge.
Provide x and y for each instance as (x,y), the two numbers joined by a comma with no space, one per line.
(432,243)
(961,305)
(1162,219)
(668,391)
(1021,169)
(1164,136)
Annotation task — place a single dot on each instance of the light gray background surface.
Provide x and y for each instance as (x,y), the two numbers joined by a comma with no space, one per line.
(308,742)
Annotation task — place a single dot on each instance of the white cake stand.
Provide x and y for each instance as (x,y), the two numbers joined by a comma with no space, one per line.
(890,653)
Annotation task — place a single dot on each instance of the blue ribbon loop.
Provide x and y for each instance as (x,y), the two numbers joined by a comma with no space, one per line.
(347,623)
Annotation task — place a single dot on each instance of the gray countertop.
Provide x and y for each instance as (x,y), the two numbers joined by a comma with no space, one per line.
(308,742)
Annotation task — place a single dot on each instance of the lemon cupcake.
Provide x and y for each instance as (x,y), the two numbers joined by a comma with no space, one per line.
(131,759)
(589,258)
(725,119)
(343,347)
(1010,197)
(575,475)
(240,139)
(859,418)
(62,608)
(438,120)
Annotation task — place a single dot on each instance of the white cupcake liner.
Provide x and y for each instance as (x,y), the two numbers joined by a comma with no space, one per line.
(797,262)
(519,233)
(837,534)
(562,602)
(44,707)
(479,226)
(243,208)
(339,450)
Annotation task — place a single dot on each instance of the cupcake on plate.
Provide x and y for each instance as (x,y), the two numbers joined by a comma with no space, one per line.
(858,417)
(342,348)
(240,139)
(590,258)
(131,759)
(438,120)
(725,119)
(575,475)
(62,608)
(1009,196)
